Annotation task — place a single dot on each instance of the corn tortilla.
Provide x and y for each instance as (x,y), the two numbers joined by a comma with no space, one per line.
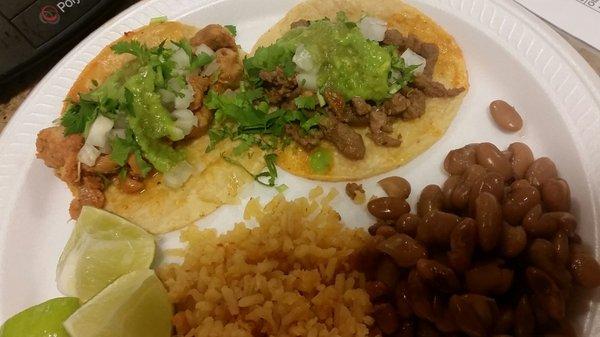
(160,209)
(417,135)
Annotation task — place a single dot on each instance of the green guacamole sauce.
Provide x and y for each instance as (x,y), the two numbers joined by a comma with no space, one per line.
(347,61)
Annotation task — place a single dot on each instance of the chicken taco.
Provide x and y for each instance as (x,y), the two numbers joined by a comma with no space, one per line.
(362,87)
(131,138)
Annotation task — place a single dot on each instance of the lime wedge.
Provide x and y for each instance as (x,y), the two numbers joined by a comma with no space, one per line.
(101,248)
(135,305)
(42,320)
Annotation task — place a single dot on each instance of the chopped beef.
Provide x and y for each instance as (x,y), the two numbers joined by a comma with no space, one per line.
(307,141)
(90,193)
(434,89)
(416,108)
(230,69)
(205,117)
(360,106)
(352,189)
(300,23)
(379,128)
(200,85)
(429,51)
(279,88)
(60,152)
(396,105)
(346,140)
(339,110)
(215,37)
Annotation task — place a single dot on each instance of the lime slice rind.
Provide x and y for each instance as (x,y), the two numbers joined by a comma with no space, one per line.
(134,305)
(44,319)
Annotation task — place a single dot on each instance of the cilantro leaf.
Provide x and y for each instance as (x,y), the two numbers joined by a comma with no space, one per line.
(79,117)
(122,147)
(306,102)
(311,122)
(200,60)
(133,47)
(269,58)
(270,173)
(232,29)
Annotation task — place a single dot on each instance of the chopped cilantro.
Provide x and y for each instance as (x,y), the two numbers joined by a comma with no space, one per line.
(305,102)
(232,29)
(311,122)
(200,60)
(269,58)
(79,117)
(270,173)
(133,47)
(122,147)
(158,19)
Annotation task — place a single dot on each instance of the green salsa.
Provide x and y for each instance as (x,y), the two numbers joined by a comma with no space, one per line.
(346,60)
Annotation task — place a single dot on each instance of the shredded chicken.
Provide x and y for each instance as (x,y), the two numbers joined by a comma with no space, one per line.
(200,85)
(230,70)
(89,193)
(215,37)
(205,117)
(60,152)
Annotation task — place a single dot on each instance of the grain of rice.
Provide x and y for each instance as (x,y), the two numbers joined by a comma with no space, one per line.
(290,276)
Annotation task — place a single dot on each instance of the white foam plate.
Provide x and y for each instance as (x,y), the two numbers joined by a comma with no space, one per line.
(510,54)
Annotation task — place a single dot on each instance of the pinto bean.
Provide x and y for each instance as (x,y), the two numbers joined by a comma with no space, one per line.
(561,248)
(457,161)
(462,244)
(518,202)
(556,195)
(491,158)
(524,318)
(505,322)
(492,183)
(395,187)
(408,223)
(405,250)
(426,329)
(521,159)
(388,208)
(419,296)
(129,185)
(388,272)
(546,292)
(436,227)
(541,170)
(376,289)
(506,116)
(474,314)
(448,189)
(402,301)
(488,216)
(520,183)
(535,227)
(406,329)
(385,231)
(584,267)
(437,275)
(104,164)
(431,199)
(460,195)
(385,317)
(513,241)
(489,279)
(542,255)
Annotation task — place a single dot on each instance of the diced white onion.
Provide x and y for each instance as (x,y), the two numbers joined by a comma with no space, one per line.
(307,80)
(184,101)
(181,59)
(185,120)
(178,175)
(204,49)
(166,96)
(411,58)
(210,68)
(98,135)
(372,28)
(303,60)
(88,154)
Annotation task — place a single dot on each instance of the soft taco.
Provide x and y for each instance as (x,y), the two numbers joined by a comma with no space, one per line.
(367,86)
(132,134)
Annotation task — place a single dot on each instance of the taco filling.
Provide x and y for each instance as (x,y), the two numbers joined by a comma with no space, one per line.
(137,122)
(323,79)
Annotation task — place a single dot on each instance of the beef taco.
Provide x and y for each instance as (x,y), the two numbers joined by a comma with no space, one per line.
(132,137)
(388,81)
